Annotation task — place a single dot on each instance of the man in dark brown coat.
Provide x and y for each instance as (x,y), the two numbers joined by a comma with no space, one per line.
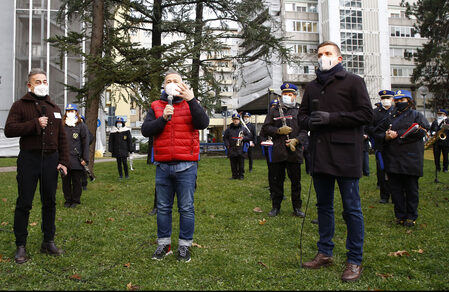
(335,108)
(37,120)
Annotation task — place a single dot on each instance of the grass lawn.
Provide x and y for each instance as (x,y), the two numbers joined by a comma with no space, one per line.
(109,239)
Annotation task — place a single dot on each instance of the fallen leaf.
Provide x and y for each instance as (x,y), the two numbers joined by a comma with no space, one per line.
(88,221)
(33,224)
(258,210)
(197,245)
(371,207)
(418,251)
(75,276)
(131,287)
(110,219)
(121,229)
(3,260)
(263,221)
(384,276)
(4,223)
(212,216)
(399,253)
(262,264)
(4,199)
(409,231)
(423,225)
(127,265)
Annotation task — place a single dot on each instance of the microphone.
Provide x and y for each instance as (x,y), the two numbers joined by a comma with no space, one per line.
(315,105)
(44,112)
(170,102)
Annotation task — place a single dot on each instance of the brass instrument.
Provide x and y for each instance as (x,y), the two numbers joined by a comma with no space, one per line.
(440,135)
(239,139)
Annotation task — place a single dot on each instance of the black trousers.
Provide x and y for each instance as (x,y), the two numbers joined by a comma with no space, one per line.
(84,179)
(31,168)
(405,195)
(250,158)
(72,186)
(382,182)
(270,172)
(122,161)
(294,173)
(437,150)
(237,166)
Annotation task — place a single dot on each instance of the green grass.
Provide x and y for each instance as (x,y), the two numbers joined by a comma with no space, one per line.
(109,239)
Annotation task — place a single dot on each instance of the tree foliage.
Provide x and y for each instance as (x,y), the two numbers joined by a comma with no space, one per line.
(432,60)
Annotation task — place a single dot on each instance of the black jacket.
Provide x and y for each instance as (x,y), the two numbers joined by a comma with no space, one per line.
(336,148)
(120,142)
(270,126)
(78,140)
(404,155)
(379,117)
(230,140)
(435,127)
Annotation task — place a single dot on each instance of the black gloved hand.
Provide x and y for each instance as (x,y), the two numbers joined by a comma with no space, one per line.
(319,118)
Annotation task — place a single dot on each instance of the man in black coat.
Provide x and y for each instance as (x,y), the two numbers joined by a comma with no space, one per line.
(440,146)
(288,139)
(253,141)
(234,139)
(381,113)
(404,156)
(335,107)
(120,145)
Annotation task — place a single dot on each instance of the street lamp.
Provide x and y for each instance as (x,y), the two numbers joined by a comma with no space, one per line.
(423,90)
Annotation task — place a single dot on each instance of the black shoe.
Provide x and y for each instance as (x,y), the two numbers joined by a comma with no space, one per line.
(162,251)
(241,178)
(314,221)
(73,205)
(274,212)
(67,205)
(250,170)
(183,254)
(284,198)
(444,170)
(399,221)
(383,201)
(153,212)
(232,178)
(84,188)
(297,212)
(50,248)
(409,223)
(21,255)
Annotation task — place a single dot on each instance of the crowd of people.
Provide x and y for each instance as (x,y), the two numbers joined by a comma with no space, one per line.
(331,129)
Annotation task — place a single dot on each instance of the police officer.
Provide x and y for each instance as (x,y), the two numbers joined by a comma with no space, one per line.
(120,145)
(440,146)
(37,120)
(404,156)
(253,141)
(234,139)
(381,113)
(281,123)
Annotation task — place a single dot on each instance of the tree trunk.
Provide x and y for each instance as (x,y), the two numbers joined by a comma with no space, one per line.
(197,44)
(94,91)
(156,54)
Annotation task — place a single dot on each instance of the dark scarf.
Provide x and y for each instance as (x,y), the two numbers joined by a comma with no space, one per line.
(323,76)
(37,97)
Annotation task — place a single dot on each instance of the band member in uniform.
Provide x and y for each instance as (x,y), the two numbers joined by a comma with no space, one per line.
(288,139)
(441,146)
(253,141)
(91,140)
(120,145)
(78,140)
(381,113)
(234,139)
(335,107)
(37,120)
(404,156)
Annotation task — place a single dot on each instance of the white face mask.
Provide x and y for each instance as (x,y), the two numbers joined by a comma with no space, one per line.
(41,90)
(386,103)
(246,120)
(326,63)
(71,115)
(119,125)
(287,100)
(172,89)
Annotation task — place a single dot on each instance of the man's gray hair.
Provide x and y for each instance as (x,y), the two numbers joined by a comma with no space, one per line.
(172,71)
(35,71)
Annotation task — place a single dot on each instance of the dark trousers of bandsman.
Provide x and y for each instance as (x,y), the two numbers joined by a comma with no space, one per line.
(405,195)
(382,180)
(437,151)
(277,185)
(72,186)
(237,167)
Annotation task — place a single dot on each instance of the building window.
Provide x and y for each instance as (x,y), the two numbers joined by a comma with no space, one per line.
(304,49)
(404,32)
(132,112)
(310,6)
(351,3)
(351,42)
(354,63)
(303,26)
(401,71)
(306,69)
(403,52)
(351,19)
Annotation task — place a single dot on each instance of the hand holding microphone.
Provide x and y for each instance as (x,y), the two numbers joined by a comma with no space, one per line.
(43,120)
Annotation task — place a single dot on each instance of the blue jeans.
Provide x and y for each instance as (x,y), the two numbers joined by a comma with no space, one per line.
(179,178)
(352,214)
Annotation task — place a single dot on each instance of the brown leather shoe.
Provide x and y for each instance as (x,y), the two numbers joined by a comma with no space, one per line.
(50,248)
(21,255)
(320,260)
(352,272)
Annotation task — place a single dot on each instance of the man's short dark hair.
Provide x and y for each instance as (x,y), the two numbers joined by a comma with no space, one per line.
(329,43)
(35,71)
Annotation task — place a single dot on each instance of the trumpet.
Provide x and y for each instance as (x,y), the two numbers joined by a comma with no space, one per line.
(440,135)
(239,139)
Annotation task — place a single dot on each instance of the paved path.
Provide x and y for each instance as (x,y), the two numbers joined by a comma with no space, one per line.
(98,160)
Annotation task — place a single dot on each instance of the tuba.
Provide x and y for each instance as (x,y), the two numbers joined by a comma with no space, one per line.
(239,139)
(440,135)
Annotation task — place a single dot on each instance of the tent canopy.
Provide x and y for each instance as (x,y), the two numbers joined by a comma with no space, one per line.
(260,105)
